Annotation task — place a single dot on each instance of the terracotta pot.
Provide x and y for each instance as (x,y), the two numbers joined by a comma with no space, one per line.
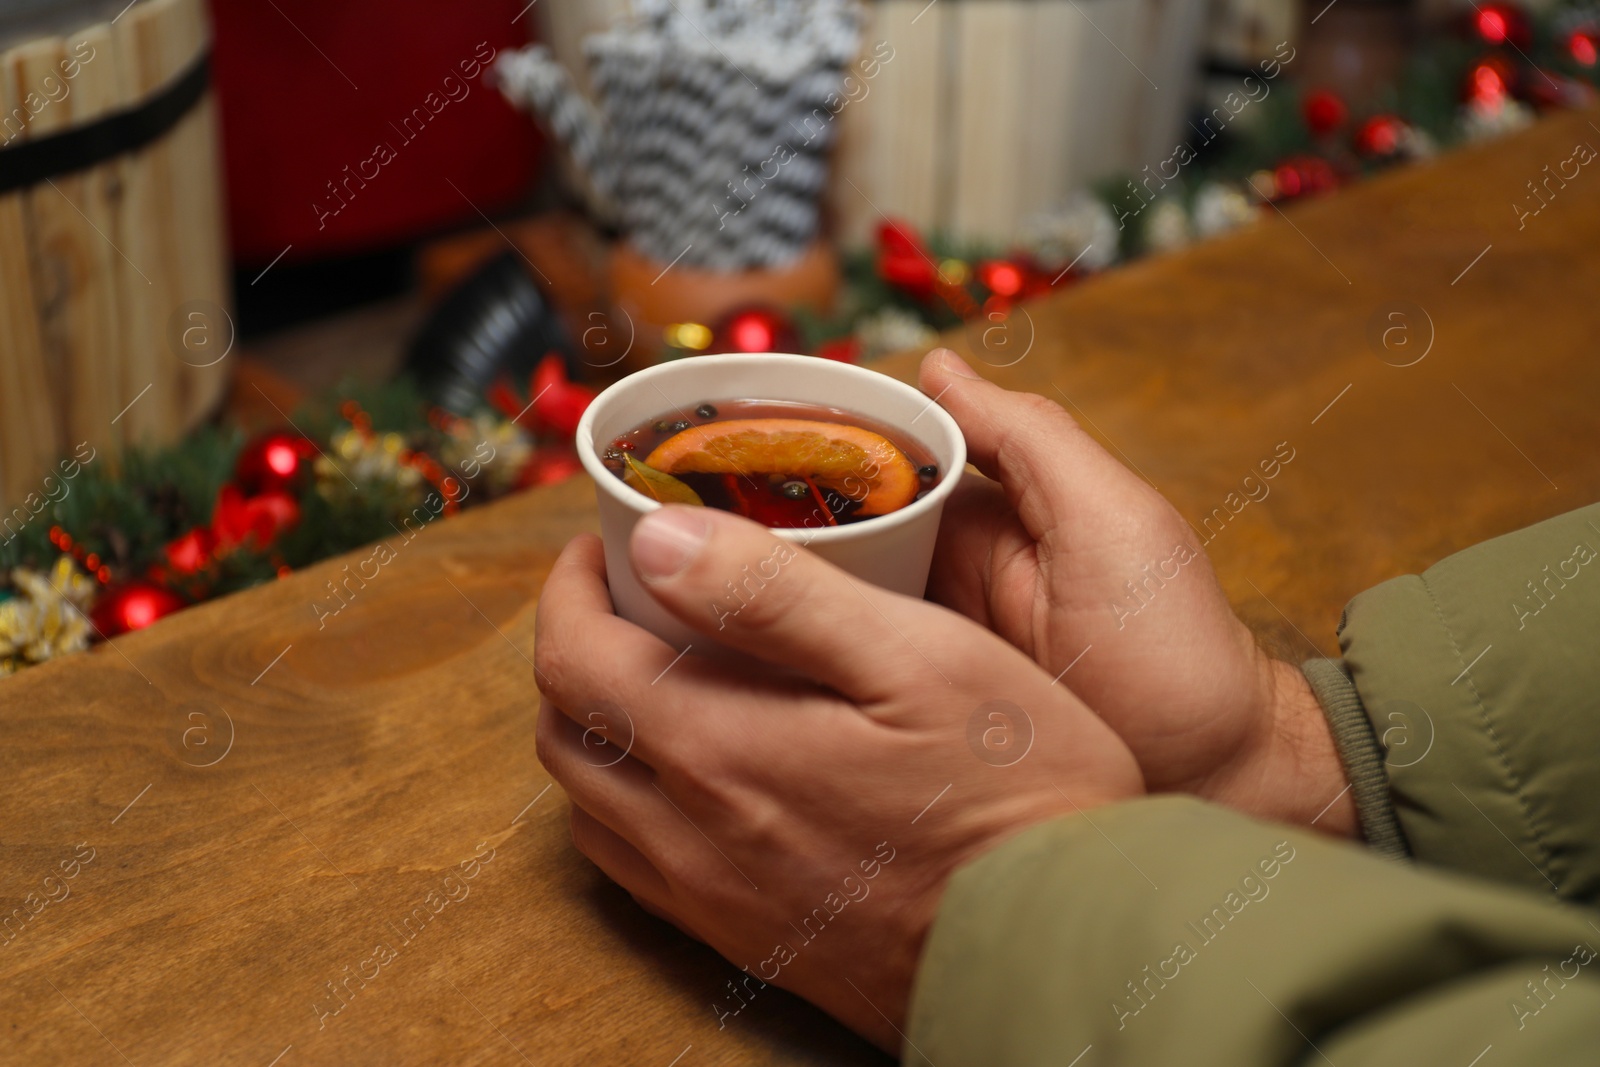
(652,295)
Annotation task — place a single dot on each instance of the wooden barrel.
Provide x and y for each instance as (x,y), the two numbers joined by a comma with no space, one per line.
(967,116)
(113,283)
(991,110)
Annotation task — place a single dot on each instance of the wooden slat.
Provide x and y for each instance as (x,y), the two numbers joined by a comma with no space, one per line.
(196,197)
(29,426)
(1109,84)
(889,157)
(74,264)
(155,46)
(1169,52)
(1045,163)
(992,110)
(564,25)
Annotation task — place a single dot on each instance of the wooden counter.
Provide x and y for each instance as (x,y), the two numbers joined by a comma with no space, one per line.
(265,802)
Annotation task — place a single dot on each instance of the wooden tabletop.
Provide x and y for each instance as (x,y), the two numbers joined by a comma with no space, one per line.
(249,805)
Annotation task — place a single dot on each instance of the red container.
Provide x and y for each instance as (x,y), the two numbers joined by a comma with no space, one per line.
(359,125)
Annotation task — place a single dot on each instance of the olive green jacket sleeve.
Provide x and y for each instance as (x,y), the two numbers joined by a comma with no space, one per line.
(1467,709)
(1467,712)
(1169,931)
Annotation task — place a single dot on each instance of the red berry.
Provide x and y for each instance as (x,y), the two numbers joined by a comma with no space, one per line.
(1324,111)
(1380,136)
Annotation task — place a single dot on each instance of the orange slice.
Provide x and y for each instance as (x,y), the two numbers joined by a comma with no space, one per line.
(858,463)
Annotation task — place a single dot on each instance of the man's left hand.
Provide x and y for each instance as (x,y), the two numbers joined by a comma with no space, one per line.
(799,802)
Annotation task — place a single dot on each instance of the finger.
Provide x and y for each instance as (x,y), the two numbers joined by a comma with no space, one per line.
(613,786)
(1048,466)
(617,812)
(591,664)
(749,590)
(627,866)
(583,559)
(575,617)
(626,689)
(979,538)
(621,862)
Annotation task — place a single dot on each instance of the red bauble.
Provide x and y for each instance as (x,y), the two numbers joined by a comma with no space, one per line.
(904,261)
(255,521)
(1303,176)
(1489,82)
(1501,23)
(193,551)
(1324,111)
(133,606)
(1584,47)
(754,329)
(846,349)
(1001,277)
(276,461)
(1379,137)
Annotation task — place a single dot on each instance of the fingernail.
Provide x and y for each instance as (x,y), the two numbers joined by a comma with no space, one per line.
(667,541)
(956,365)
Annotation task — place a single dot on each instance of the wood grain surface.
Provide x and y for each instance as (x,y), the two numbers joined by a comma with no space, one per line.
(249,803)
(1194,367)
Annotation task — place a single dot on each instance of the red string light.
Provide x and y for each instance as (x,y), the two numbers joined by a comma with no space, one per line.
(90,561)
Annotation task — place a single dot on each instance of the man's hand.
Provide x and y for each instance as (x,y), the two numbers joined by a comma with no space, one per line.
(1086,568)
(798,802)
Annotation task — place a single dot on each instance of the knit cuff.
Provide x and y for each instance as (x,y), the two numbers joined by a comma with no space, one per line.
(1360,753)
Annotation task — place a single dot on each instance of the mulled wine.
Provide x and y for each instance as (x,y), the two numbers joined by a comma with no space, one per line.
(784,464)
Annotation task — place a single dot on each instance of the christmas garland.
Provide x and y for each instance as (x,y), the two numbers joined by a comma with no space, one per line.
(102,549)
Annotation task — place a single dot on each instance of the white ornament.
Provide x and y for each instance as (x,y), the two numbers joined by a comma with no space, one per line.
(1219,208)
(1082,228)
(1486,121)
(1168,227)
(893,330)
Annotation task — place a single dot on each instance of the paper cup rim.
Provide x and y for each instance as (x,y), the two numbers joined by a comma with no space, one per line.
(612,486)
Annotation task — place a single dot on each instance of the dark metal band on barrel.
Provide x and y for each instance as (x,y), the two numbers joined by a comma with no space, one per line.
(30,162)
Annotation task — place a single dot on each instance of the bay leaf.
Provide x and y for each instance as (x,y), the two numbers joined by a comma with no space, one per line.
(658,485)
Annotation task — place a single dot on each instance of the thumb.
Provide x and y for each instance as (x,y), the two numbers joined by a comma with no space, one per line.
(744,588)
(1049,467)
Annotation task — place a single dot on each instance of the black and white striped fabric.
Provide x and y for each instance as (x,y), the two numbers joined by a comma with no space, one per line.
(709,142)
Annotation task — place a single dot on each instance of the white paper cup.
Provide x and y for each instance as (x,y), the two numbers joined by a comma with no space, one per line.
(892,551)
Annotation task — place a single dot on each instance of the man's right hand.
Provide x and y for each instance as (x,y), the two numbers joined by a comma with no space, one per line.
(1087,569)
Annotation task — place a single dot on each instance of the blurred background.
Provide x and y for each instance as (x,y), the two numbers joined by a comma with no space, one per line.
(271,273)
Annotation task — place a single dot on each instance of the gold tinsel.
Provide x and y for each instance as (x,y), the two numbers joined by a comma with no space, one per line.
(46,617)
(366,458)
(494,448)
